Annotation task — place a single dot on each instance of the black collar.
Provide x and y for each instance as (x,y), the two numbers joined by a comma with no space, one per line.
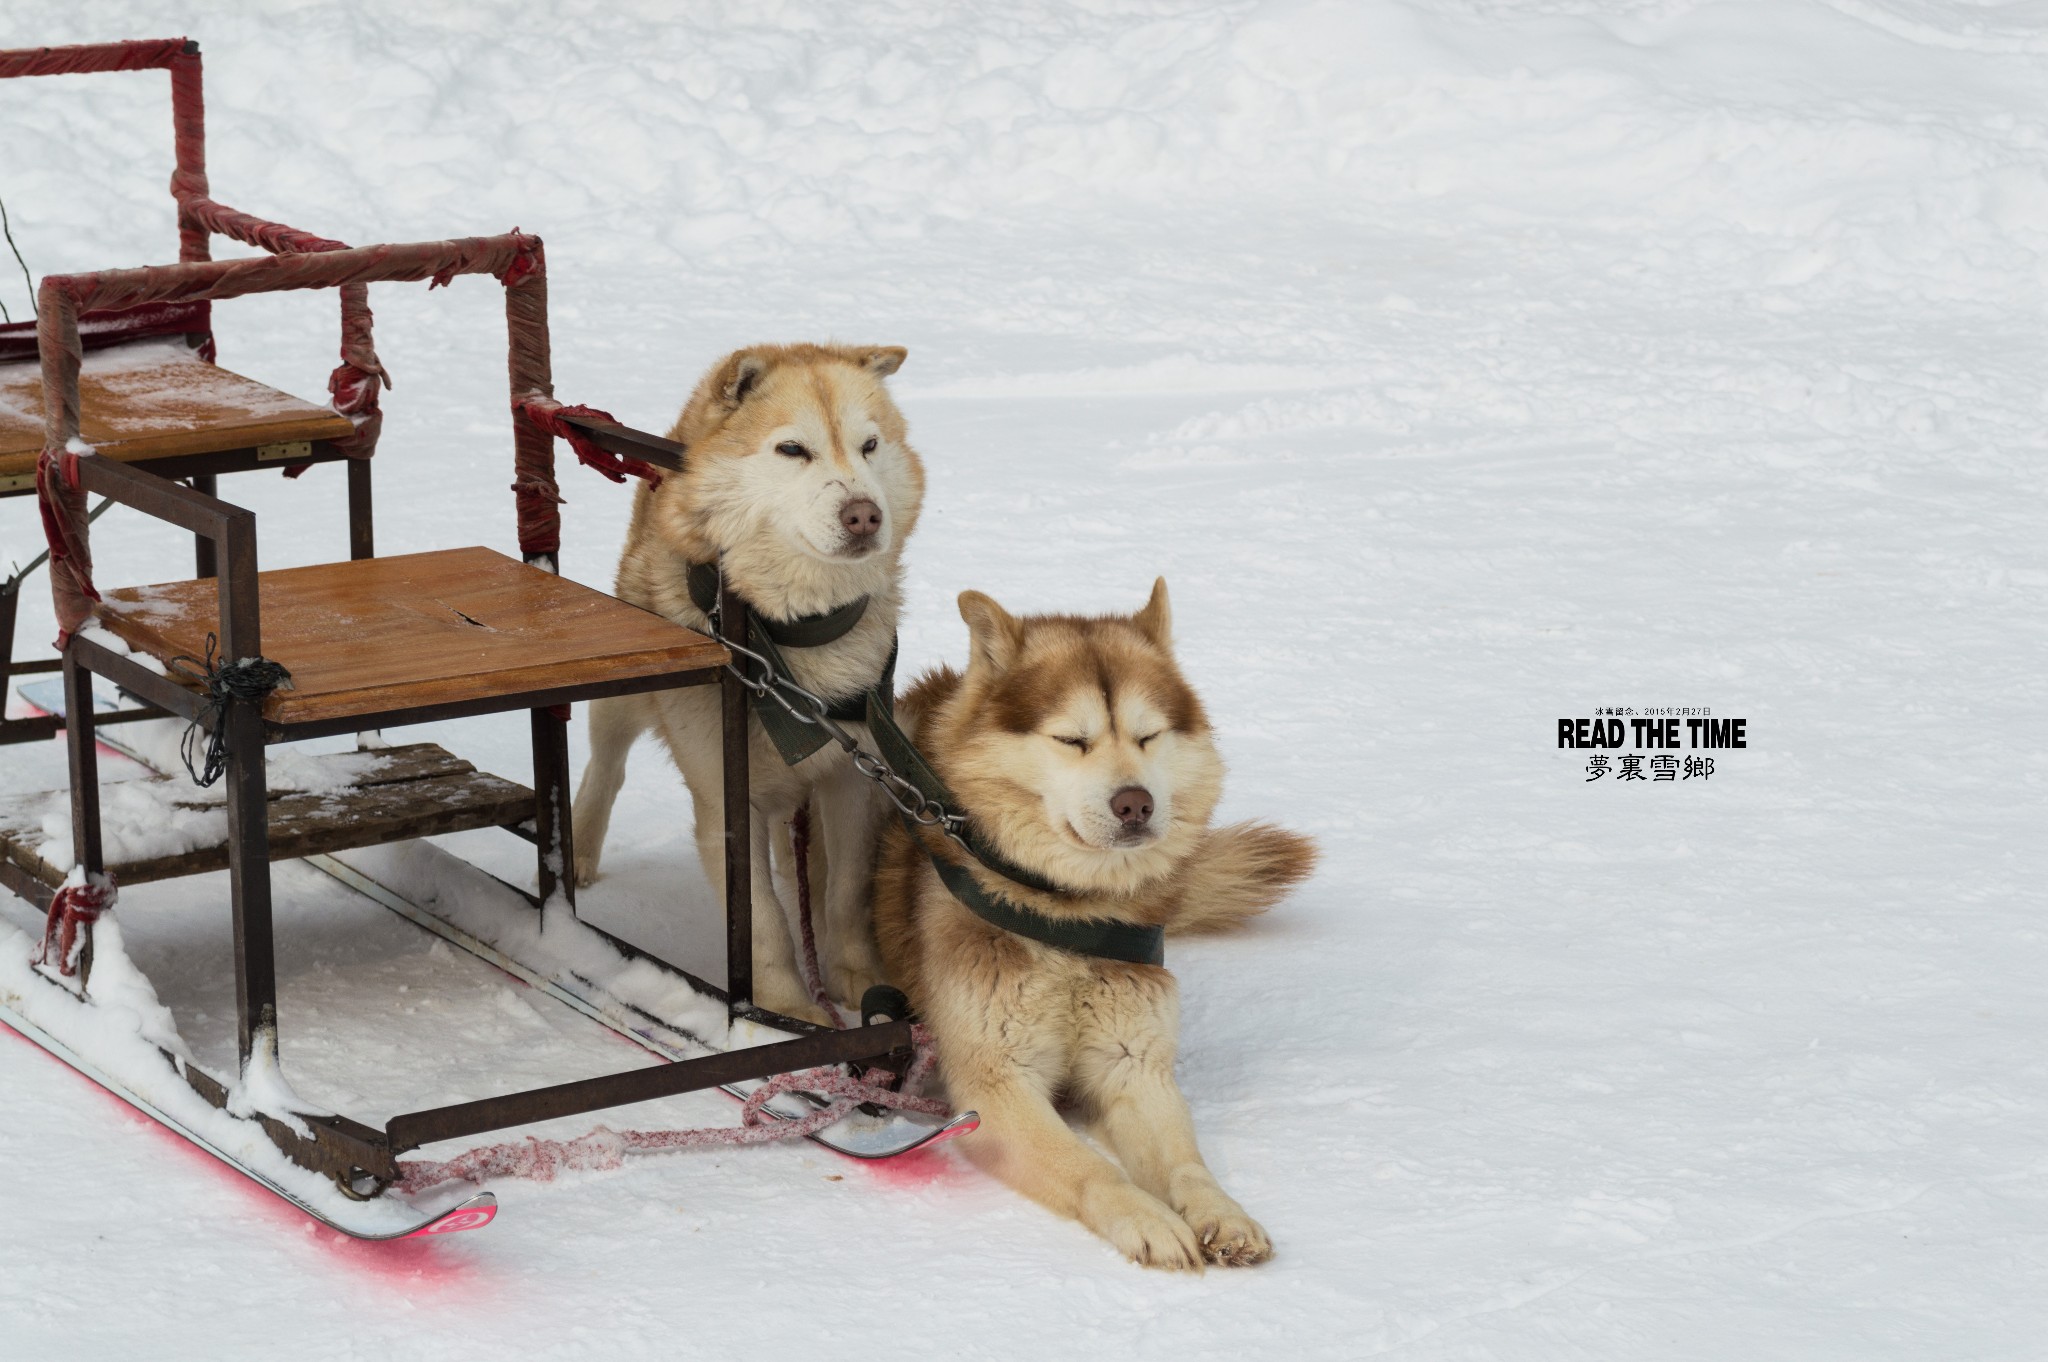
(1102,938)
(808,631)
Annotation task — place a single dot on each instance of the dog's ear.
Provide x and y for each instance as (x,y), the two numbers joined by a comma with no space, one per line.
(738,374)
(993,633)
(1155,621)
(879,360)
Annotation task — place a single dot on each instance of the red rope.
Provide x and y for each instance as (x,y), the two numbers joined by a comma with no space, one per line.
(800,851)
(604,1148)
(69,926)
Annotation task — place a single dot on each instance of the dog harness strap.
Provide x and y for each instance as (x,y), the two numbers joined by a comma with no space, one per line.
(793,738)
(807,631)
(1101,938)
(895,748)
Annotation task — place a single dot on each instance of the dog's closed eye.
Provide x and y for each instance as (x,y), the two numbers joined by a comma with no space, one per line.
(793,450)
(1148,738)
(871,446)
(1080,744)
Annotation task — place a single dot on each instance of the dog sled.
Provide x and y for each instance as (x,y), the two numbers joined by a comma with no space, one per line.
(207,672)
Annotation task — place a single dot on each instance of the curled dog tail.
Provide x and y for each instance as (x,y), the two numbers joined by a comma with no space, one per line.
(1237,873)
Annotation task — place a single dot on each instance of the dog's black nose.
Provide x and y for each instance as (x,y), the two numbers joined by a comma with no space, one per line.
(1132,805)
(861,518)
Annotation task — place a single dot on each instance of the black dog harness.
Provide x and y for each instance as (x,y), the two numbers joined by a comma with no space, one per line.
(1100,938)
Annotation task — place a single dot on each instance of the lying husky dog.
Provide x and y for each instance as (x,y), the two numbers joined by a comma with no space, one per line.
(1086,765)
(799,480)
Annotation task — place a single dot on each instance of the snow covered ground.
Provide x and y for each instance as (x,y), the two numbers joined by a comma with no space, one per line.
(1463,365)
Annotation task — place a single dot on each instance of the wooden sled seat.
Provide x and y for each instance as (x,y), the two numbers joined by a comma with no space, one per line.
(166,826)
(383,636)
(156,399)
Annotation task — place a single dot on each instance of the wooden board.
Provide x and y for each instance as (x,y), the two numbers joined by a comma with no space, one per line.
(385,634)
(155,399)
(420,790)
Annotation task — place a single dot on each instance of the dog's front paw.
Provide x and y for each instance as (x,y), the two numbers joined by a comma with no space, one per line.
(1143,1228)
(586,868)
(1228,1236)
(851,981)
(790,1002)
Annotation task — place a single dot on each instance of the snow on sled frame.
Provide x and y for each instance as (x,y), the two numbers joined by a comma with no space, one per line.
(369,644)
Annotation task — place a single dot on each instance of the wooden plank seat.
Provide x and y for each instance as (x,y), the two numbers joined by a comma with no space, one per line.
(387,635)
(153,399)
(166,826)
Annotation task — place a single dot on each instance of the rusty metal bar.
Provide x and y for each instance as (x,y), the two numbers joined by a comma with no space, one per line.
(10,603)
(551,826)
(87,851)
(338,1147)
(154,494)
(26,885)
(165,694)
(624,440)
(242,460)
(738,795)
(863,1044)
(362,524)
(205,555)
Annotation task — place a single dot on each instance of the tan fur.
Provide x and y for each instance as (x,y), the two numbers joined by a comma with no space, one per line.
(773,520)
(1021,1025)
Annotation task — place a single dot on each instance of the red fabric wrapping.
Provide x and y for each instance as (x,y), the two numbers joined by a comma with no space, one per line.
(251,230)
(547,413)
(103,330)
(142,55)
(69,926)
(62,297)
(355,383)
(387,263)
(64,529)
(531,369)
(188,130)
(59,498)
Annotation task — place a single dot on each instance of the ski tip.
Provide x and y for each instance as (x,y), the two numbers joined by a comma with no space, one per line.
(966,1123)
(473,1214)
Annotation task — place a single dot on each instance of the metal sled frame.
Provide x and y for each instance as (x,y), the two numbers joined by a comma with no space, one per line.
(349,1151)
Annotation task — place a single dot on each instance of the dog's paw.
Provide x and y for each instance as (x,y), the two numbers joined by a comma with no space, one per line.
(791,1003)
(850,982)
(586,870)
(1229,1237)
(1143,1228)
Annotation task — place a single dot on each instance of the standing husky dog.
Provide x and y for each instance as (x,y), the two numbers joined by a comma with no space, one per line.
(799,480)
(1085,762)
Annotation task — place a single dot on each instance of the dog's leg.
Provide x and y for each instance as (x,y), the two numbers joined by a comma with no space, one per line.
(777,984)
(847,810)
(614,724)
(1124,1072)
(1000,1060)
(1023,1141)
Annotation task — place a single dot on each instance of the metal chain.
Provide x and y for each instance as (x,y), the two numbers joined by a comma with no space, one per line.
(910,801)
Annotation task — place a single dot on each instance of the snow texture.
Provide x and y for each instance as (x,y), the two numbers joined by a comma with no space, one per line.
(1463,365)
(144,819)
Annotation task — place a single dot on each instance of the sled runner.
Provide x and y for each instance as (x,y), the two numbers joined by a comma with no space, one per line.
(134,411)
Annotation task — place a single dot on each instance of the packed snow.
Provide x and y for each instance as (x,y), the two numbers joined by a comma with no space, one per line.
(1464,365)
